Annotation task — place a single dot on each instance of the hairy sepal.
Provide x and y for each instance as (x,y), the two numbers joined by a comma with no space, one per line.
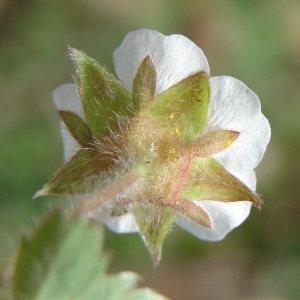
(153,222)
(77,176)
(103,98)
(114,192)
(214,141)
(144,83)
(207,179)
(78,128)
(182,109)
(191,211)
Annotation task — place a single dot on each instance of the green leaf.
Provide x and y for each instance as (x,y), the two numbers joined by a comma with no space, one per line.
(144,83)
(208,180)
(213,142)
(62,260)
(32,261)
(103,98)
(78,128)
(182,109)
(153,222)
(76,176)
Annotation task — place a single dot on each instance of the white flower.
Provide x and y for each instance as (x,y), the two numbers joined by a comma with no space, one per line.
(233,106)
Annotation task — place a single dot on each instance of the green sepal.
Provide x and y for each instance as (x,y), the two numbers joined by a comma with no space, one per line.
(144,83)
(116,189)
(182,109)
(76,176)
(213,142)
(78,128)
(103,98)
(207,179)
(190,210)
(153,222)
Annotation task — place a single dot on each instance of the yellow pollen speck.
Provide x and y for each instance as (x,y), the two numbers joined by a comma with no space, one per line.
(177,130)
(227,142)
(172,151)
(171,116)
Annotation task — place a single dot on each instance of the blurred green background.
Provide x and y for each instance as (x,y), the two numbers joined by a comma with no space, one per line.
(255,41)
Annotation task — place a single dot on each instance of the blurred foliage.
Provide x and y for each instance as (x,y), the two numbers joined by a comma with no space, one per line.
(255,41)
(46,267)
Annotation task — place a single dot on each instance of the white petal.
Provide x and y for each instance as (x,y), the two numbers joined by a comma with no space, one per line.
(69,144)
(175,57)
(247,178)
(122,224)
(65,98)
(234,106)
(224,216)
